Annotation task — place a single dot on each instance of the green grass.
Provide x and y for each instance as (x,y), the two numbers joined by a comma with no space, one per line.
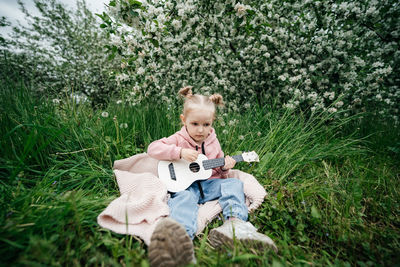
(333,185)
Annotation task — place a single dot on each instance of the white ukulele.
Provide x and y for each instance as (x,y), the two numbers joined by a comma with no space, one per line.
(180,174)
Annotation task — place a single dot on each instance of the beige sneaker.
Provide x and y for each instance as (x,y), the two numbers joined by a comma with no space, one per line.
(170,245)
(244,232)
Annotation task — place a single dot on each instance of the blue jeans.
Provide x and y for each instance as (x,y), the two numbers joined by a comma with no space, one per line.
(183,205)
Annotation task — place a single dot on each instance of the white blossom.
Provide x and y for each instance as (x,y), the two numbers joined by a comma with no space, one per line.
(312,96)
(303,61)
(123,125)
(121,77)
(339,104)
(289,105)
(116,40)
(282,78)
(332,110)
(329,95)
(140,71)
(177,24)
(240,9)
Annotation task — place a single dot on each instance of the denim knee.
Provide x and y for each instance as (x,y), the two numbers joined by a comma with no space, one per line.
(183,208)
(236,183)
(186,195)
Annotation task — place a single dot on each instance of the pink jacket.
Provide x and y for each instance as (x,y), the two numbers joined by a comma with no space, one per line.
(170,148)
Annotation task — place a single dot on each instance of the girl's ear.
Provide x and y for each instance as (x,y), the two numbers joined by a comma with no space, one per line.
(182,119)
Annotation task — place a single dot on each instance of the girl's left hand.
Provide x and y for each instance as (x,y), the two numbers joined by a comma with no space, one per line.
(229,163)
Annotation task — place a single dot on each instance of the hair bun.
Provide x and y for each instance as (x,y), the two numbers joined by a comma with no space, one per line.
(216,99)
(186,91)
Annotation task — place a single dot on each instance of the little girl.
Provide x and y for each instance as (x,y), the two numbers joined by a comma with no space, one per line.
(171,244)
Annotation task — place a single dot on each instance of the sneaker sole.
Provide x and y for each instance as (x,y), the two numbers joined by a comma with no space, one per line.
(219,240)
(170,245)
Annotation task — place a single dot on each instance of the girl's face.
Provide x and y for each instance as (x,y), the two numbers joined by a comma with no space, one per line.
(198,123)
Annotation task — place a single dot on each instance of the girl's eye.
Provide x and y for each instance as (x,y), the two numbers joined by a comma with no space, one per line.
(206,125)
(195,123)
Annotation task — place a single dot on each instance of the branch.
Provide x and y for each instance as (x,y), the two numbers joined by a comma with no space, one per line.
(372,29)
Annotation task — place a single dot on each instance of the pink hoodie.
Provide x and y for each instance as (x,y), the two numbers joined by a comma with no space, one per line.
(170,148)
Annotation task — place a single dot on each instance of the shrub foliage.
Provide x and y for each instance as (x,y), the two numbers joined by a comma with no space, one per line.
(60,50)
(322,55)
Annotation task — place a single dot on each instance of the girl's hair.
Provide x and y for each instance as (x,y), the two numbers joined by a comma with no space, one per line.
(200,101)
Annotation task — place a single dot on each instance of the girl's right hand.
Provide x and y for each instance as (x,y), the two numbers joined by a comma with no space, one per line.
(189,154)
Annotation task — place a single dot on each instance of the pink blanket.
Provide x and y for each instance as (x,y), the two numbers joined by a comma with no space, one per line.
(143,199)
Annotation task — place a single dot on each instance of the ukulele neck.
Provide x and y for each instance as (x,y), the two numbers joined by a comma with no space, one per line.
(214,163)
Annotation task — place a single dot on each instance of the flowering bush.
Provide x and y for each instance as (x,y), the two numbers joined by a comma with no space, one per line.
(322,55)
(61,51)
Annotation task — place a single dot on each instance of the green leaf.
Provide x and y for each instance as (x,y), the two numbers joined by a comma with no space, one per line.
(99,15)
(250,12)
(132,59)
(111,56)
(135,4)
(238,152)
(12,243)
(154,42)
(112,3)
(244,257)
(315,213)
(134,13)
(103,25)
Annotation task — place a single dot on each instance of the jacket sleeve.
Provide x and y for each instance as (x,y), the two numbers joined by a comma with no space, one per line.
(222,173)
(165,149)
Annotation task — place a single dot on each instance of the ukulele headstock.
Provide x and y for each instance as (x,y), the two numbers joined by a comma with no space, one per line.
(250,157)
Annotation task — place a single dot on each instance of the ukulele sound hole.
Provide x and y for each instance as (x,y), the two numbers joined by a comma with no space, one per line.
(194,167)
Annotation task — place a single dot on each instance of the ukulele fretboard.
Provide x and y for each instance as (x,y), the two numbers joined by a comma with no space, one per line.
(214,163)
